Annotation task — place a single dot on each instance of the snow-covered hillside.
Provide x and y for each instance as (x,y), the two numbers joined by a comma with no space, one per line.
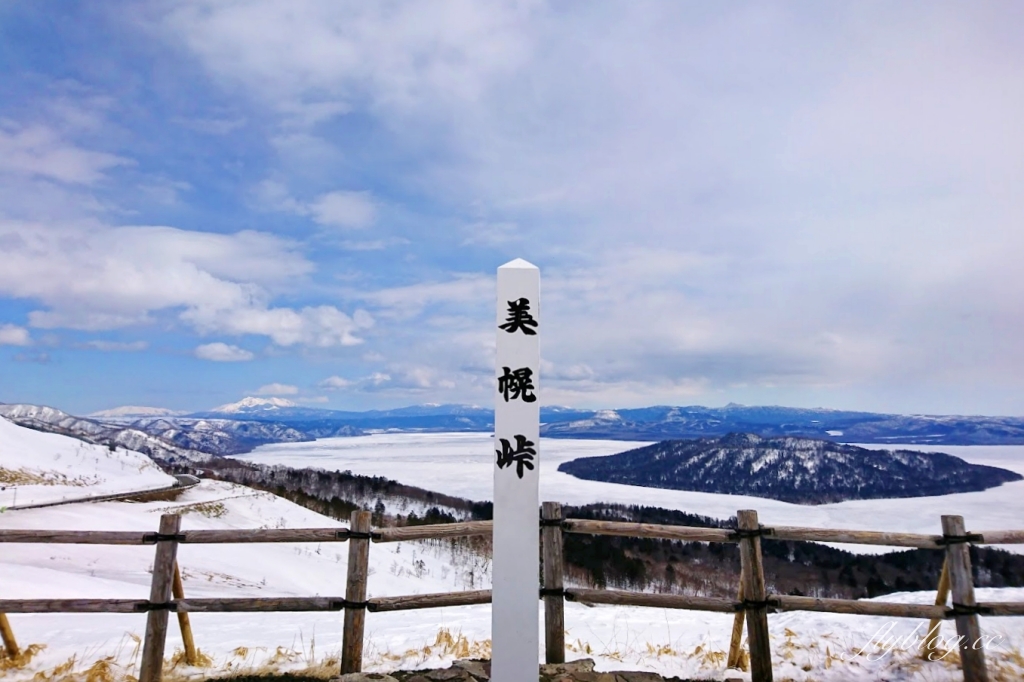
(37,467)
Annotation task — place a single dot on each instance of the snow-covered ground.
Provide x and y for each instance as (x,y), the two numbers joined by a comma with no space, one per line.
(670,642)
(461,464)
(38,467)
(688,644)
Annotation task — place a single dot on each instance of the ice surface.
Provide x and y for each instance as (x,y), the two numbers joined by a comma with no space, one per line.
(460,464)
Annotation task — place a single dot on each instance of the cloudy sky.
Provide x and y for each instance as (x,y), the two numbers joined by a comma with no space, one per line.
(810,204)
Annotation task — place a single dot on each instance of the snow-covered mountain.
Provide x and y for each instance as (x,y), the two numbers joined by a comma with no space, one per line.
(799,470)
(134,412)
(250,405)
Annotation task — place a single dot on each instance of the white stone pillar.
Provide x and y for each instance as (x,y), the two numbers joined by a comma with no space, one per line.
(515,572)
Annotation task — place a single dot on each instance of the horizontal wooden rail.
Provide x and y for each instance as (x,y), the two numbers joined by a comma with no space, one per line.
(243,604)
(433,531)
(854,537)
(1001,537)
(663,601)
(648,530)
(72,605)
(997,608)
(428,601)
(247,535)
(856,607)
(206,537)
(73,537)
(473,528)
(778,602)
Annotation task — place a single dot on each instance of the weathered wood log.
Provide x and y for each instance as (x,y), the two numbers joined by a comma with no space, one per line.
(736,638)
(1001,537)
(7,637)
(752,577)
(231,535)
(854,537)
(931,638)
(972,654)
(996,608)
(178,591)
(160,593)
(661,601)
(252,604)
(73,605)
(73,537)
(434,531)
(428,601)
(355,593)
(784,602)
(649,530)
(247,535)
(554,601)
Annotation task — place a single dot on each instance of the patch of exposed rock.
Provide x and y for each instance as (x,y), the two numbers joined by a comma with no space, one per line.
(480,671)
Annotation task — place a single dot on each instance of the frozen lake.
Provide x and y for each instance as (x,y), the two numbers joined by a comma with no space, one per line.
(461,464)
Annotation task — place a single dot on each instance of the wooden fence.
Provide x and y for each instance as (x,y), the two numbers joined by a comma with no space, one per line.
(752,605)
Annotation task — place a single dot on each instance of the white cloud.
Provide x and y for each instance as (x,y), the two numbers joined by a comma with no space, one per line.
(222,352)
(320,326)
(340,208)
(91,276)
(335,383)
(344,209)
(113,346)
(277,389)
(410,300)
(13,335)
(709,211)
(37,151)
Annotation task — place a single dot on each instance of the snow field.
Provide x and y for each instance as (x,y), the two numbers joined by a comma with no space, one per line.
(461,464)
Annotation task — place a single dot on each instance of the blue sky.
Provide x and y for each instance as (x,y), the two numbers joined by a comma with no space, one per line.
(766,203)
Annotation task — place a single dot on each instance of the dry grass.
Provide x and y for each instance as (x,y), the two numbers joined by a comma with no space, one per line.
(445,645)
(213,509)
(794,657)
(22,660)
(28,477)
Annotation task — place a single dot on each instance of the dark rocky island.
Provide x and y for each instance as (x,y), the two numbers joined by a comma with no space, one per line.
(790,469)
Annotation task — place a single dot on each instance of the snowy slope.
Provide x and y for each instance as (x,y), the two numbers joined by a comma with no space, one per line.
(38,467)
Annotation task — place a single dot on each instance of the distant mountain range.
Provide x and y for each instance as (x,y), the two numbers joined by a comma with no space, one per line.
(649,423)
(239,427)
(798,470)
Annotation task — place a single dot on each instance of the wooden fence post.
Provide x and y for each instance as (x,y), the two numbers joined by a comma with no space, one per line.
(554,598)
(931,639)
(958,560)
(755,599)
(183,622)
(355,592)
(7,635)
(735,659)
(159,597)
